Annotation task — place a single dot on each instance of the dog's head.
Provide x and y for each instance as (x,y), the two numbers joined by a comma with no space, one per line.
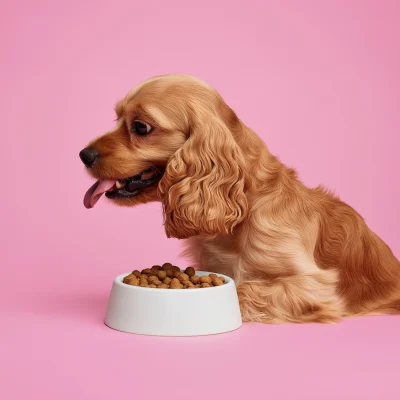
(175,142)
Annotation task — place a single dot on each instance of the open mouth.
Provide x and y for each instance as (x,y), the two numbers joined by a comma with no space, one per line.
(122,188)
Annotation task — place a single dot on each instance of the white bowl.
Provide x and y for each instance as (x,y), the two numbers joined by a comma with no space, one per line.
(173,312)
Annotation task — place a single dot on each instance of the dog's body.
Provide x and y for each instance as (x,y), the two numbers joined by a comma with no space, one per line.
(296,254)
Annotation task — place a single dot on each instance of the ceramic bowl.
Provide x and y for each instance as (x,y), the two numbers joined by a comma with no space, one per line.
(173,312)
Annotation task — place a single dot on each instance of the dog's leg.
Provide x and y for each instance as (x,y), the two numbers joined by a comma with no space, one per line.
(309,297)
(278,279)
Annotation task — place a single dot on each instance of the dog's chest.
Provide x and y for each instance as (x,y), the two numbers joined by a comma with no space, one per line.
(219,254)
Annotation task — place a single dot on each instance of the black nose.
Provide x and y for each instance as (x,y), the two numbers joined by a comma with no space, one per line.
(89,156)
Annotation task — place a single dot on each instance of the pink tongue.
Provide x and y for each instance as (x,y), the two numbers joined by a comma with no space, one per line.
(96,191)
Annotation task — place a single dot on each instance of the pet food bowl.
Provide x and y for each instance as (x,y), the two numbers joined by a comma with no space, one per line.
(173,312)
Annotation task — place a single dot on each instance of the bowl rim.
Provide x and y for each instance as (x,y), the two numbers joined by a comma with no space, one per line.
(228,282)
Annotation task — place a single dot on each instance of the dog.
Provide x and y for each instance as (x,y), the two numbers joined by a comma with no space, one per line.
(296,254)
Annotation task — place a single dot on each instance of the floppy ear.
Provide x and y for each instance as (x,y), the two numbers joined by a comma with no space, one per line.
(203,186)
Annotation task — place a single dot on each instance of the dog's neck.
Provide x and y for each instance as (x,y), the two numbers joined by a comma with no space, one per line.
(264,171)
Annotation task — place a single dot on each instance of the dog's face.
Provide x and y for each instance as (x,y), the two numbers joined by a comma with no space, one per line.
(130,160)
(171,142)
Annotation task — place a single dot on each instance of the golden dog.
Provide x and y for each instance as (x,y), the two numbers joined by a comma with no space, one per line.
(296,254)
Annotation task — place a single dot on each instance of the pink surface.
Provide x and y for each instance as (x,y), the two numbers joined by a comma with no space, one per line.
(319,81)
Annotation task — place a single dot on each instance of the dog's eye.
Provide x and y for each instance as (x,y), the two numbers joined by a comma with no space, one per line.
(141,128)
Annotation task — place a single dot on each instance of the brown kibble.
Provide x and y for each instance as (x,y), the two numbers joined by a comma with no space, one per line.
(205,279)
(143,281)
(164,286)
(170,276)
(183,277)
(128,277)
(146,271)
(154,280)
(176,286)
(175,269)
(161,275)
(175,281)
(154,270)
(134,282)
(131,280)
(190,271)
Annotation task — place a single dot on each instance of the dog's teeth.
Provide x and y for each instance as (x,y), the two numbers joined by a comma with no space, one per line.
(119,184)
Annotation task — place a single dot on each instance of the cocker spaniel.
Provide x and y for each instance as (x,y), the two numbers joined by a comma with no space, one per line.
(296,254)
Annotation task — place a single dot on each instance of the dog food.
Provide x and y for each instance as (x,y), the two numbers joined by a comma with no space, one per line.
(169,276)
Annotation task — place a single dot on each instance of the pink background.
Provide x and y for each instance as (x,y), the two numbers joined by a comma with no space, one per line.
(318,80)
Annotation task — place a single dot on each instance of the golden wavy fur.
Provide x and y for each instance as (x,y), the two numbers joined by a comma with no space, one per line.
(296,254)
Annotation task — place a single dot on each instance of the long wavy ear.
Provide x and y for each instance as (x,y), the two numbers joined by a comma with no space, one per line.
(203,185)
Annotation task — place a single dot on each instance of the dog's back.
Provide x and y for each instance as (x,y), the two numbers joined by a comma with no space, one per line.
(369,273)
